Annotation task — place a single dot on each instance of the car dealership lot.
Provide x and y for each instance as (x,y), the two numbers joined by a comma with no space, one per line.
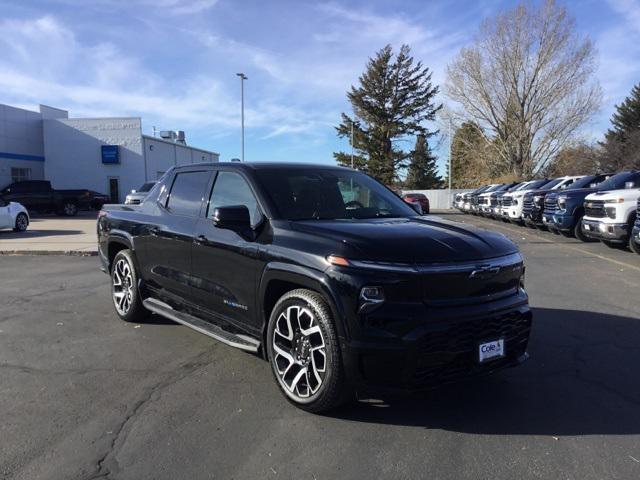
(84,394)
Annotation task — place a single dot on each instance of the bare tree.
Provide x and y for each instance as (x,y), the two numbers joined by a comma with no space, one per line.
(527,82)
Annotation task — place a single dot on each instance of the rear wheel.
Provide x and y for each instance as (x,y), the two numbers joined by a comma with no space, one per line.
(69,209)
(124,288)
(303,351)
(22,222)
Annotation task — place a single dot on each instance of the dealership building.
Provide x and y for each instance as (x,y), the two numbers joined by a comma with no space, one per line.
(108,155)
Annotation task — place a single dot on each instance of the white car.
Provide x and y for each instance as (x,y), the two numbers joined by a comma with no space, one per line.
(13,215)
(512,203)
(609,215)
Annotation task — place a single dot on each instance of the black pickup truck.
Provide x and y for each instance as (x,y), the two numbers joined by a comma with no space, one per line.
(38,196)
(322,271)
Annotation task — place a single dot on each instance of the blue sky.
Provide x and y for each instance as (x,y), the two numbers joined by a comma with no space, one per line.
(173,62)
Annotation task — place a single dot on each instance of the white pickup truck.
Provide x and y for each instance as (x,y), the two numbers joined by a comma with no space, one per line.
(512,202)
(609,215)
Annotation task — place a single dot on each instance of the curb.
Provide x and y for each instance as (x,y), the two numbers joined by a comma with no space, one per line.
(68,253)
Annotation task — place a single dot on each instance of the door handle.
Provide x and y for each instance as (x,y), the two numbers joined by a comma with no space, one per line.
(200,240)
(154,231)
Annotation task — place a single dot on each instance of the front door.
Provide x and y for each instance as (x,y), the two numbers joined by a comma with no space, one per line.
(114,190)
(169,241)
(5,217)
(225,264)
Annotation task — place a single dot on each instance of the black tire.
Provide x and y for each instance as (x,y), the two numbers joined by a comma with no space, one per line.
(331,390)
(22,222)
(579,234)
(633,246)
(134,312)
(69,209)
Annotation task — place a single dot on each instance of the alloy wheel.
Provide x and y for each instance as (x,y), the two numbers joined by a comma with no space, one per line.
(122,279)
(22,222)
(300,357)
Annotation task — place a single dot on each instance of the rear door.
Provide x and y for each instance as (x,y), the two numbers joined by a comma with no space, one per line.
(167,266)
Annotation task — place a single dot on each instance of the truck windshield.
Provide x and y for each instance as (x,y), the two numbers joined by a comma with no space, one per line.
(617,181)
(146,187)
(584,182)
(327,194)
(536,184)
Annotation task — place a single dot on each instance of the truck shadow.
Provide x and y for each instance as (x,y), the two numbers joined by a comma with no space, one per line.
(582,379)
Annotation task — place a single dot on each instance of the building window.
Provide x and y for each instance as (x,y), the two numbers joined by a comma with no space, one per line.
(20,174)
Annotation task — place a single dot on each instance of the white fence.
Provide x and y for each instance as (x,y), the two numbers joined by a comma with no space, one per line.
(440,199)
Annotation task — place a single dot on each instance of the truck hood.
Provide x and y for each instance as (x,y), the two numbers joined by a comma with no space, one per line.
(410,240)
(576,192)
(626,194)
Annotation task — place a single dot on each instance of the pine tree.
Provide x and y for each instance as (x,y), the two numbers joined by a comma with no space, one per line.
(423,172)
(621,148)
(468,154)
(626,118)
(394,99)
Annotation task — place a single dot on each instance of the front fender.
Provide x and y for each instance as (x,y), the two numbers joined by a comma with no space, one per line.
(307,278)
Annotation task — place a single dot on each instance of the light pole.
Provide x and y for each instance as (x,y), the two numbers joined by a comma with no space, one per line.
(243,77)
(352,143)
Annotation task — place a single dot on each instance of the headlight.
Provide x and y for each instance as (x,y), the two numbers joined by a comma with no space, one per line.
(614,200)
(562,202)
(611,212)
(538,199)
(515,201)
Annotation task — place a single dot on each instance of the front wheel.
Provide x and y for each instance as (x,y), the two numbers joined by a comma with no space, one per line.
(22,222)
(633,246)
(124,288)
(304,354)
(579,234)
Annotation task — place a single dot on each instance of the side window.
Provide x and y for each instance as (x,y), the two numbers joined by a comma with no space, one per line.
(187,193)
(231,189)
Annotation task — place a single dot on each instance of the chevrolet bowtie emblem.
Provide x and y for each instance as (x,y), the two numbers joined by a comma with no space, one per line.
(484,271)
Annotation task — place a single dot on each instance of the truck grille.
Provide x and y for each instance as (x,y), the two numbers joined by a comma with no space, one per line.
(450,354)
(494,200)
(638,209)
(527,204)
(507,201)
(474,283)
(550,203)
(594,208)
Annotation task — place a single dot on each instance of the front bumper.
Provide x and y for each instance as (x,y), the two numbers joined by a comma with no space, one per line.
(558,221)
(612,232)
(512,214)
(439,352)
(533,217)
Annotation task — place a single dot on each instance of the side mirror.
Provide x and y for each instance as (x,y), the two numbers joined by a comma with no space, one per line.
(233,217)
(593,185)
(628,185)
(133,191)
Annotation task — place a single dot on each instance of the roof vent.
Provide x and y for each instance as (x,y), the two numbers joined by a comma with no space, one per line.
(176,136)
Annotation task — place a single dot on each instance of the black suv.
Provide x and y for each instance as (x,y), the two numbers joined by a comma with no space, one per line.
(324,272)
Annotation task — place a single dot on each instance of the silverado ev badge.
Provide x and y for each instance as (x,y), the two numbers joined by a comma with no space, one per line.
(484,272)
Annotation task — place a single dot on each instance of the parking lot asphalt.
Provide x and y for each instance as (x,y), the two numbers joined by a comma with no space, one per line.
(84,395)
(49,234)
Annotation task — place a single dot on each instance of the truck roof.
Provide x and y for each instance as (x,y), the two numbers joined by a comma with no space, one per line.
(270,165)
